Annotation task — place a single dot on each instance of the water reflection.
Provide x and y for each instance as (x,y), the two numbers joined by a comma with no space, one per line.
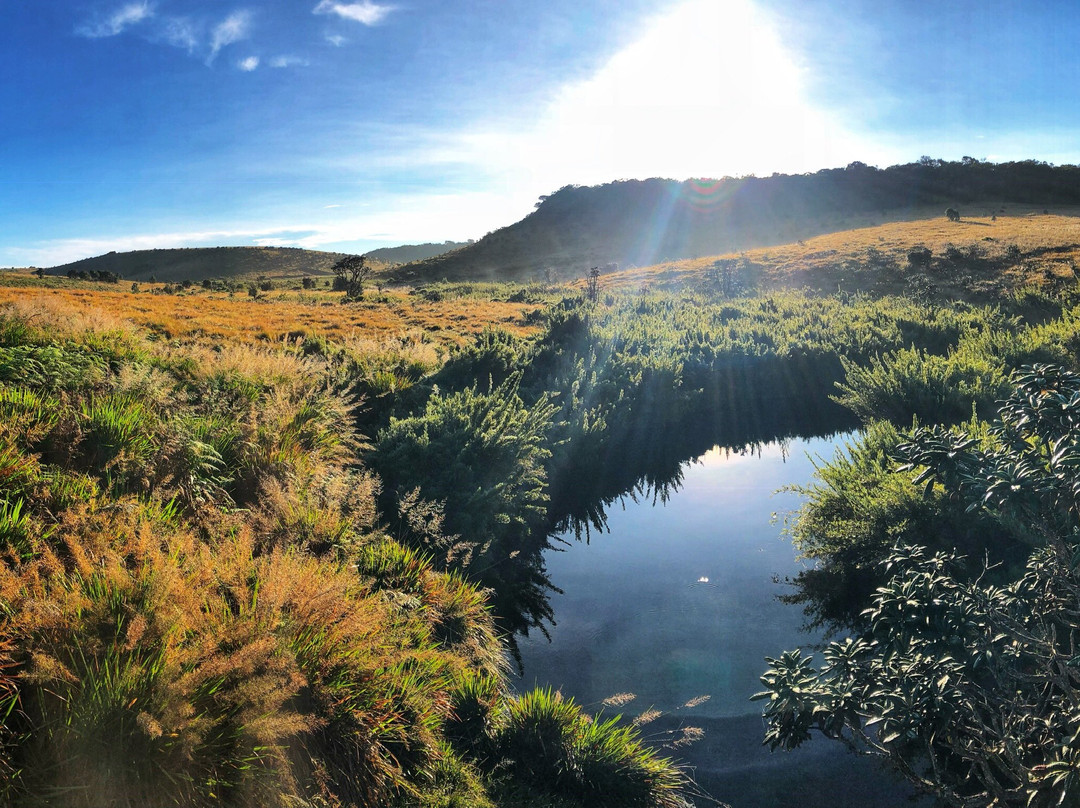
(651,468)
(675,601)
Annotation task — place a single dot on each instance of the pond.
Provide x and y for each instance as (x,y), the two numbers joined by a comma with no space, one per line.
(676,601)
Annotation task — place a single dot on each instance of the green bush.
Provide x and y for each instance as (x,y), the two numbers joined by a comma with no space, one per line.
(481,456)
(966,686)
(546,743)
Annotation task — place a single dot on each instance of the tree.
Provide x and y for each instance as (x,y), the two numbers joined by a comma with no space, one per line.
(972,691)
(592,285)
(350,272)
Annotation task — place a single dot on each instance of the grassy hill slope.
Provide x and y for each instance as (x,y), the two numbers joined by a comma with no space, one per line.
(643,222)
(197,263)
(980,257)
(412,252)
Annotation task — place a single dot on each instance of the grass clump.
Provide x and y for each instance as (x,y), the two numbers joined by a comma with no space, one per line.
(556,751)
(198,606)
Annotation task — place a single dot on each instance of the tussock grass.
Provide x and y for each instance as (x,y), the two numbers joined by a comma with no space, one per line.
(197,604)
(217,317)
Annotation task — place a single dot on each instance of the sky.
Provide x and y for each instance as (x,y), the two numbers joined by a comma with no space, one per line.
(353,124)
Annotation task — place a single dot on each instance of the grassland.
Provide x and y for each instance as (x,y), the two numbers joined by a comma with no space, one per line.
(275,315)
(348,502)
(991,255)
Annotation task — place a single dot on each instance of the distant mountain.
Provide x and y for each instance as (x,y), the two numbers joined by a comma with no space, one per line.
(643,222)
(198,263)
(413,252)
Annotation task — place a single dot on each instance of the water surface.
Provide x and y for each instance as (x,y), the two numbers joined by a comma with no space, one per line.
(677,600)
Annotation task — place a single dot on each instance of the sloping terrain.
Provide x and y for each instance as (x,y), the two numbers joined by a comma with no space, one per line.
(199,263)
(976,258)
(412,252)
(644,222)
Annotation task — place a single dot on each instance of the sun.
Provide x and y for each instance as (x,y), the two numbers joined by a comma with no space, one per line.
(708,88)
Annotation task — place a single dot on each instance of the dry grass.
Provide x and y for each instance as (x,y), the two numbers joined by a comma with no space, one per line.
(221,318)
(1049,245)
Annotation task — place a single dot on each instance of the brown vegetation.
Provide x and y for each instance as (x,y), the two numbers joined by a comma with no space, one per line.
(275,316)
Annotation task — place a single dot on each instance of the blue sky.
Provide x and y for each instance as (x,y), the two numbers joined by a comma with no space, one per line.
(353,124)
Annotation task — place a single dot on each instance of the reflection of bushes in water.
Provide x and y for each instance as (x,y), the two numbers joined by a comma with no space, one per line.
(645,460)
(641,383)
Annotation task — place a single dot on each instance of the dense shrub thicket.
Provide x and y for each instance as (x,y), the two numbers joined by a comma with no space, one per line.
(638,382)
(964,678)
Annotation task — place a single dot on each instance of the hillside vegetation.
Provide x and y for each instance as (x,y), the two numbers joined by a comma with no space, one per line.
(239,263)
(199,263)
(412,252)
(635,223)
(978,257)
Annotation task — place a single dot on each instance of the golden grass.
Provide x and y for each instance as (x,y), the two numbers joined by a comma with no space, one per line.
(219,317)
(1049,245)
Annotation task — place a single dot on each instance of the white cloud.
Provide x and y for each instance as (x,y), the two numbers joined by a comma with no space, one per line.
(364,12)
(180,33)
(123,17)
(232,29)
(248,64)
(336,40)
(288,61)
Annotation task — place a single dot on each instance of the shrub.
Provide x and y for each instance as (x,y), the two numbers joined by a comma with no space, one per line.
(919,257)
(965,687)
(550,746)
(908,383)
(482,455)
(118,437)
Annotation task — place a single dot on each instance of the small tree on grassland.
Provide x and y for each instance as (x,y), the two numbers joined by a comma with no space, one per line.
(350,273)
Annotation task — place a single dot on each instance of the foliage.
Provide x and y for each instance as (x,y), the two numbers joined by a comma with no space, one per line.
(482,457)
(197,605)
(969,688)
(857,508)
(350,273)
(551,747)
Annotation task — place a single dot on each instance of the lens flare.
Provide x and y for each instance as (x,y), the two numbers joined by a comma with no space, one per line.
(703,194)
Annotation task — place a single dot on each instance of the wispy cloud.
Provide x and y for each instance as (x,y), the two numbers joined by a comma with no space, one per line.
(288,61)
(232,29)
(248,64)
(179,32)
(364,12)
(336,40)
(115,23)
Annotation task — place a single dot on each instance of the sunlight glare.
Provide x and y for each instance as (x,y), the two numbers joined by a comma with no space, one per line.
(708,90)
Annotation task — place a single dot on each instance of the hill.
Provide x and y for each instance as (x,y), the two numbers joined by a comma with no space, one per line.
(408,253)
(198,263)
(977,258)
(634,223)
